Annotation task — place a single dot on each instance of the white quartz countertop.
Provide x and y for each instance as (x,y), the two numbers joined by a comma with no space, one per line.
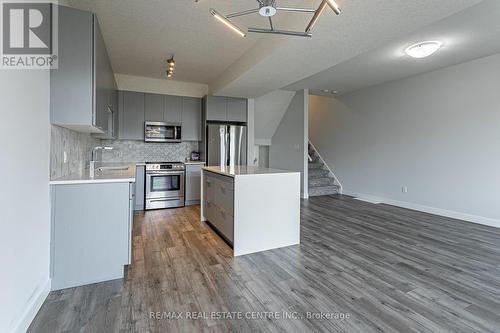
(105,176)
(194,162)
(243,170)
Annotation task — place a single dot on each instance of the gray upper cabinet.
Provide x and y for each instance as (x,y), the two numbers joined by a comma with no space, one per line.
(172,109)
(191,119)
(81,87)
(132,117)
(154,108)
(102,79)
(216,108)
(237,109)
(135,108)
(105,88)
(225,109)
(71,84)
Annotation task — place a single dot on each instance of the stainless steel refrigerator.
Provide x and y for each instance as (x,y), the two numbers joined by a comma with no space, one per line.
(226,145)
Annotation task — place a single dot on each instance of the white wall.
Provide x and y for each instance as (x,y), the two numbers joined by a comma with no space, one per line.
(24,196)
(159,86)
(288,150)
(269,110)
(437,133)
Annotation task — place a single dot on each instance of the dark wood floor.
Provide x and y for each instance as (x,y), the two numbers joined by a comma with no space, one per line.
(388,269)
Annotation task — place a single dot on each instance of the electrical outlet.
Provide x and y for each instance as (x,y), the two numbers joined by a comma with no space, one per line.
(404,189)
(65,157)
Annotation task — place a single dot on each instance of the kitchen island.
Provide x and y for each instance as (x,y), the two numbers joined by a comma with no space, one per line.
(254,209)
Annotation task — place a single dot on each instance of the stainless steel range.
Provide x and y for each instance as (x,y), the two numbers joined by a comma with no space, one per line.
(164,185)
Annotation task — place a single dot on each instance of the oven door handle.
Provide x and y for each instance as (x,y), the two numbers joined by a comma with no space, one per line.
(170,173)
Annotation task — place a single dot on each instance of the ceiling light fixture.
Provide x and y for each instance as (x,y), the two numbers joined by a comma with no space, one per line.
(423,49)
(170,67)
(268,9)
(334,6)
(228,23)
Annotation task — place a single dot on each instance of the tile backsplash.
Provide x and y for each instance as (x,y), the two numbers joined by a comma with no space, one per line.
(78,147)
(139,151)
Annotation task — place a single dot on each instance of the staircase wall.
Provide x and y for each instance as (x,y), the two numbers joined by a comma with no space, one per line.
(288,150)
(269,110)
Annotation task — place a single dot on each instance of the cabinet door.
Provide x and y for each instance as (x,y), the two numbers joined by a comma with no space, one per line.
(153,107)
(102,80)
(172,109)
(140,174)
(132,116)
(115,113)
(216,108)
(191,119)
(193,182)
(71,84)
(237,109)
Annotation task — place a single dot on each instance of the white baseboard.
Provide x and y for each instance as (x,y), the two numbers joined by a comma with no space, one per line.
(35,303)
(426,209)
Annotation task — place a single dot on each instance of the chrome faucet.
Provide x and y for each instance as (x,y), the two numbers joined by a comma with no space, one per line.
(93,161)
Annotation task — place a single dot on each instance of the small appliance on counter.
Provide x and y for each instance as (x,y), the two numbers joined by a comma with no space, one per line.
(195,156)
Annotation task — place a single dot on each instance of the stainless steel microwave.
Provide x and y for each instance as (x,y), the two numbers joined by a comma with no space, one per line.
(156,131)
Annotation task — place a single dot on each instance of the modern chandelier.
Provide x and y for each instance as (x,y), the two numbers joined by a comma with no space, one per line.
(269,8)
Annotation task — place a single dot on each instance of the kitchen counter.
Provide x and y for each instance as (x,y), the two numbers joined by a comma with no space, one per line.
(105,176)
(243,170)
(194,163)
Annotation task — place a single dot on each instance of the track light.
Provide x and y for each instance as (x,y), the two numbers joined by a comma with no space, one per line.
(228,23)
(170,67)
(334,6)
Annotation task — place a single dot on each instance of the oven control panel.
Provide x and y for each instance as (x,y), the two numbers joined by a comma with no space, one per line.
(165,166)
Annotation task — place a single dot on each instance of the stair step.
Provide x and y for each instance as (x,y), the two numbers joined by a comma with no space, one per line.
(326,181)
(315,165)
(318,173)
(323,190)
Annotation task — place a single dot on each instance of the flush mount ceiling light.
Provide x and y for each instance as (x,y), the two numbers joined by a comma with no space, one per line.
(268,9)
(423,49)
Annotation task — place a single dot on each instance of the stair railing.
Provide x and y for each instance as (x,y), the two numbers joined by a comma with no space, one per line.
(341,189)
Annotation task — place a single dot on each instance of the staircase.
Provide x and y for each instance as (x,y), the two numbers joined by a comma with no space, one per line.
(321,180)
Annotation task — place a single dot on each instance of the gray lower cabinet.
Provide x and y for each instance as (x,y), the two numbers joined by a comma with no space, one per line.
(81,87)
(91,232)
(193,184)
(132,117)
(191,119)
(219,108)
(219,203)
(140,186)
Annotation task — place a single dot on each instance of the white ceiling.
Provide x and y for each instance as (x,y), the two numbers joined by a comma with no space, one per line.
(467,35)
(141,34)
